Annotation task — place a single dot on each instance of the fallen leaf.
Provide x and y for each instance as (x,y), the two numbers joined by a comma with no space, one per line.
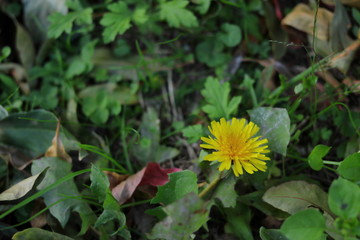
(302,18)
(352,3)
(152,175)
(20,190)
(40,220)
(57,148)
(343,60)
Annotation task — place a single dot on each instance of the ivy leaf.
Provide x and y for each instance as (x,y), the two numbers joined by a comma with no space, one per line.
(176,15)
(117,21)
(217,96)
(64,23)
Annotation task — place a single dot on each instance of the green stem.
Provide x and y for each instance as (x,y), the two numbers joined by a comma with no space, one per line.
(331,162)
(211,186)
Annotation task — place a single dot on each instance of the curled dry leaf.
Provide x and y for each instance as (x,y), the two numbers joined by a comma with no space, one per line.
(152,175)
(302,18)
(57,148)
(17,192)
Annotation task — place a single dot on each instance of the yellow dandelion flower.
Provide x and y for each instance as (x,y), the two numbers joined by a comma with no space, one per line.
(235,146)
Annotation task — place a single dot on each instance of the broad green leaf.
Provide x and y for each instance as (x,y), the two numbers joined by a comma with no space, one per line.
(180,184)
(117,21)
(271,234)
(274,125)
(58,168)
(238,221)
(39,234)
(217,97)
(64,23)
(99,182)
(230,34)
(295,196)
(193,133)
(149,148)
(210,52)
(22,189)
(350,167)
(176,15)
(344,198)
(307,224)
(3,113)
(32,133)
(315,158)
(140,17)
(184,217)
(225,192)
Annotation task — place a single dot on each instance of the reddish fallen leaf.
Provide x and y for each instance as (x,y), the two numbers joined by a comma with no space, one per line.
(152,175)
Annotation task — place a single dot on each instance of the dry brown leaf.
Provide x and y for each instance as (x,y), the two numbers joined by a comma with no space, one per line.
(57,148)
(302,18)
(352,3)
(343,60)
(39,221)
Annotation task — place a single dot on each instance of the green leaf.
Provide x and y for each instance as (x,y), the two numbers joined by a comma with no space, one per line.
(39,234)
(210,52)
(111,212)
(271,234)
(64,23)
(203,6)
(238,221)
(176,15)
(230,34)
(315,158)
(307,224)
(117,21)
(344,198)
(274,125)
(180,184)
(22,189)
(61,211)
(32,133)
(193,133)
(350,167)
(225,192)
(217,97)
(295,196)
(99,182)
(140,16)
(185,216)
(149,149)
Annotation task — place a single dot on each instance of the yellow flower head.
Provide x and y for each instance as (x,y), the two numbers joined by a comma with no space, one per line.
(235,145)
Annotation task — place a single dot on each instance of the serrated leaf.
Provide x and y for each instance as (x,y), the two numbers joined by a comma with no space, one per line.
(344,198)
(64,23)
(184,217)
(210,52)
(349,168)
(117,21)
(99,183)
(40,234)
(193,133)
(180,184)
(230,34)
(203,6)
(295,196)
(315,158)
(274,125)
(217,97)
(307,224)
(176,15)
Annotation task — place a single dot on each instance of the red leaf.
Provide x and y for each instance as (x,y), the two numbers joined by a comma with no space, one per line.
(155,175)
(152,175)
